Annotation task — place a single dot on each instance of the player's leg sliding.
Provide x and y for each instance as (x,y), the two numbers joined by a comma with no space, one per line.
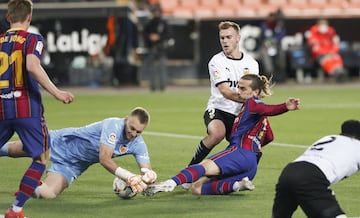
(201,152)
(187,175)
(224,186)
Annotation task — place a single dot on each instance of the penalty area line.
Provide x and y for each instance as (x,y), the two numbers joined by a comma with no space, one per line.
(173,135)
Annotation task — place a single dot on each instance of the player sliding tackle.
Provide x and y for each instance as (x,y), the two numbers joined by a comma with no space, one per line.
(73,150)
(233,169)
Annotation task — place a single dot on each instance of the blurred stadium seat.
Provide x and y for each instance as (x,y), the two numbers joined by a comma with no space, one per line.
(168,6)
(213,4)
(231,3)
(189,3)
(225,11)
(260,8)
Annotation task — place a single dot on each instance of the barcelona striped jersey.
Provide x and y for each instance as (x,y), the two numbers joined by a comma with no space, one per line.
(251,129)
(20,96)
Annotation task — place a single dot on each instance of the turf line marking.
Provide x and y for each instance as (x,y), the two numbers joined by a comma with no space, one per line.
(173,135)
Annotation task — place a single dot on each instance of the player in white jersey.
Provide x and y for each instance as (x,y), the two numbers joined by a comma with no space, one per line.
(73,150)
(305,182)
(225,70)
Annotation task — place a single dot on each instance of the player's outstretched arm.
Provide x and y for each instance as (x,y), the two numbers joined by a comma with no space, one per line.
(38,72)
(105,157)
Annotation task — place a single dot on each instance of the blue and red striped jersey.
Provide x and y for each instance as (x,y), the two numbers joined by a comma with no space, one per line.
(20,95)
(251,129)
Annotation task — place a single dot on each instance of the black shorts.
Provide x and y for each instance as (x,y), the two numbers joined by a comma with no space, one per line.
(225,117)
(304,184)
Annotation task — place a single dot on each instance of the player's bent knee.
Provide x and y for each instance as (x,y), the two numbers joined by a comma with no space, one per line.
(48,195)
(196,190)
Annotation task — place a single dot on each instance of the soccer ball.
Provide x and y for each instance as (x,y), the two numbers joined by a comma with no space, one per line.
(122,189)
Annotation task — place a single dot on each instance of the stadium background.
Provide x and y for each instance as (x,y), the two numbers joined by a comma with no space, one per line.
(176,116)
(77,28)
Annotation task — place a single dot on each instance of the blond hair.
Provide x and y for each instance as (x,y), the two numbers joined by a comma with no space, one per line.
(229,24)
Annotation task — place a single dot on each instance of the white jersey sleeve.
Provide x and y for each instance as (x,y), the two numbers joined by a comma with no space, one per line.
(337,156)
(226,70)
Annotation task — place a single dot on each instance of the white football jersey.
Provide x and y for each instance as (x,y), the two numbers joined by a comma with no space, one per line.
(224,69)
(337,156)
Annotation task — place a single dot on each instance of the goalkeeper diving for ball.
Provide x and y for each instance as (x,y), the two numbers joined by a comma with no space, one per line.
(74,150)
(232,169)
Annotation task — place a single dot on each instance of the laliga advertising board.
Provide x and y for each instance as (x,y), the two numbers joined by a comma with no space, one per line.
(73,36)
(67,39)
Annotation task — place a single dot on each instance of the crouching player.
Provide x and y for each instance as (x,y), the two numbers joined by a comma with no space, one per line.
(73,150)
(233,169)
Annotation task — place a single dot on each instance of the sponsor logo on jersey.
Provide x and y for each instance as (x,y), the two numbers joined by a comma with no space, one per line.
(217,75)
(123,149)
(10,95)
(246,71)
(232,84)
(112,138)
(39,47)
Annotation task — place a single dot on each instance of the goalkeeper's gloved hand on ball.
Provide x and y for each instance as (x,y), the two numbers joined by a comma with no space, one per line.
(149,176)
(136,183)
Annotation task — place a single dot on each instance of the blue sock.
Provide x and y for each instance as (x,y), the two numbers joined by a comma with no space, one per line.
(217,187)
(29,182)
(189,174)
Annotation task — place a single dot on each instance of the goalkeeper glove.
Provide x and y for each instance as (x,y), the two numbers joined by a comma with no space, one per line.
(136,183)
(149,176)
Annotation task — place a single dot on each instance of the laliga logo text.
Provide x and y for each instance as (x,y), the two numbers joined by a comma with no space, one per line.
(76,41)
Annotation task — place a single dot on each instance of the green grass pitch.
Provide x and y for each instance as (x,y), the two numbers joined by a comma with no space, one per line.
(172,136)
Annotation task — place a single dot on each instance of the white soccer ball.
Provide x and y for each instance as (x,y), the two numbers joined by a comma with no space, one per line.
(122,189)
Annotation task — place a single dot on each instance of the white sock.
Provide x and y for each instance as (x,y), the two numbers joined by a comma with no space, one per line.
(16,208)
(37,192)
(4,150)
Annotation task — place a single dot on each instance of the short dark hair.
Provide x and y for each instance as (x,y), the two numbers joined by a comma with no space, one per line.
(351,128)
(142,114)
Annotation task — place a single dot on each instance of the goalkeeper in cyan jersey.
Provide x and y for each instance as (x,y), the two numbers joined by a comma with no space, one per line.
(73,150)
(233,169)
